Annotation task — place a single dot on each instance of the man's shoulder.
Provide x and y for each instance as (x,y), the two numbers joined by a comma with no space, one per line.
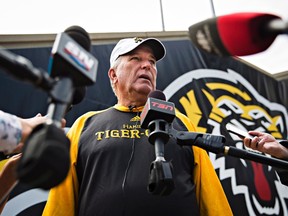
(92,113)
(186,121)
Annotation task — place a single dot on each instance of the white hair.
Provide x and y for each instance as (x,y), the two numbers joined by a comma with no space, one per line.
(114,66)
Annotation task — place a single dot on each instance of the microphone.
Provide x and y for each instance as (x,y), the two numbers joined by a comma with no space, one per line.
(78,96)
(71,63)
(70,57)
(21,68)
(156,116)
(215,144)
(45,161)
(209,142)
(157,107)
(237,34)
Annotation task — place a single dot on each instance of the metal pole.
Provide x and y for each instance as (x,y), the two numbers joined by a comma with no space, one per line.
(213,8)
(162,16)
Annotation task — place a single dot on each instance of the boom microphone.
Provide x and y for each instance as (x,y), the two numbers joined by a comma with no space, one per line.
(237,34)
(215,144)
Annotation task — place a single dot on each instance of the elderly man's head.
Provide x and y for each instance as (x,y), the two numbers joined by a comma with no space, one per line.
(133,69)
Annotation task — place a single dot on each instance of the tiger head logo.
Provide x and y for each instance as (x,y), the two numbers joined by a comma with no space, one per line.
(214,99)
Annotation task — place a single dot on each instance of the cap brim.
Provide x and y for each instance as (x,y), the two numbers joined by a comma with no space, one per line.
(156,46)
(126,45)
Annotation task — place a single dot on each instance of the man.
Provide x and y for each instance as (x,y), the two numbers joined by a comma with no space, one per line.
(266,143)
(111,155)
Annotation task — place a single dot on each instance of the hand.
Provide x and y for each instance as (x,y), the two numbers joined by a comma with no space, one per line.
(9,169)
(266,143)
(8,177)
(28,125)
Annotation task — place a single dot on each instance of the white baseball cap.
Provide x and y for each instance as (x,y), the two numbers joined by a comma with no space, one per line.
(128,44)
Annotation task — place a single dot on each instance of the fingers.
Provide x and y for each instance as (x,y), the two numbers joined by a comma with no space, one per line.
(63,122)
(252,143)
(249,143)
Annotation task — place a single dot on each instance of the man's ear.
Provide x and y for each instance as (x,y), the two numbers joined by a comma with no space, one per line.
(112,75)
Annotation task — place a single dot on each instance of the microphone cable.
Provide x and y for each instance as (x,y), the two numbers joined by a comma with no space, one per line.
(131,155)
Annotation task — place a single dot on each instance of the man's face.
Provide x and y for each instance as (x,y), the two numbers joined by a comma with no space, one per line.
(136,73)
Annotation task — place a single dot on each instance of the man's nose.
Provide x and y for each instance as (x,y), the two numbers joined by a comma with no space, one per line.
(146,64)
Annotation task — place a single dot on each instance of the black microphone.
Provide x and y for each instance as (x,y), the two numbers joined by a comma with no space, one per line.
(22,68)
(215,143)
(45,160)
(70,57)
(237,34)
(209,142)
(157,107)
(72,64)
(78,96)
(156,116)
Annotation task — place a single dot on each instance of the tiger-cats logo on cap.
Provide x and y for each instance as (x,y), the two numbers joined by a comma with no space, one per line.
(137,39)
(213,99)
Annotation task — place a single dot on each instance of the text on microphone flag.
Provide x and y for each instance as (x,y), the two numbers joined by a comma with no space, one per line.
(80,57)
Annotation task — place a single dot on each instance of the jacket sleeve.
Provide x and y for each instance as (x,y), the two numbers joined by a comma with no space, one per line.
(209,192)
(62,199)
(10,132)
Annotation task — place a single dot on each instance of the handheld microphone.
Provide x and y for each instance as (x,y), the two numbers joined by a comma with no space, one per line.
(45,161)
(78,96)
(237,34)
(21,68)
(70,57)
(73,65)
(156,116)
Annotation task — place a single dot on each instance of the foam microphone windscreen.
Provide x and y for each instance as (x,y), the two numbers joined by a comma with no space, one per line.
(79,94)
(70,57)
(157,94)
(157,107)
(45,161)
(237,34)
(245,33)
(80,35)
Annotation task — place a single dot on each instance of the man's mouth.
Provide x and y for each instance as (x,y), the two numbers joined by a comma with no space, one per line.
(146,77)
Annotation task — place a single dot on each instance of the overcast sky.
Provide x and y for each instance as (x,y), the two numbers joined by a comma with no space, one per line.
(54,16)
